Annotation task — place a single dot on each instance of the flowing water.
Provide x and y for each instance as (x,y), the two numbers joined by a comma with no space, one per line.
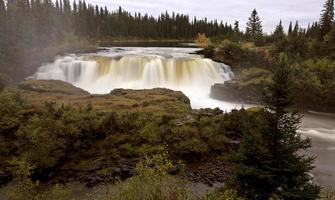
(178,69)
(143,68)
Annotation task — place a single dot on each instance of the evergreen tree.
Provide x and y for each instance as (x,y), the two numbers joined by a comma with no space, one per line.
(236,27)
(279,33)
(254,30)
(329,42)
(290,29)
(269,162)
(296,29)
(327,18)
(279,37)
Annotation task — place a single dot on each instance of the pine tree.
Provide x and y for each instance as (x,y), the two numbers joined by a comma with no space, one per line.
(290,29)
(295,32)
(269,161)
(279,33)
(327,18)
(236,27)
(279,37)
(329,42)
(254,30)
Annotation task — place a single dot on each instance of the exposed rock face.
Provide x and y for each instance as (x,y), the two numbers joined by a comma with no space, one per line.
(218,55)
(234,92)
(210,172)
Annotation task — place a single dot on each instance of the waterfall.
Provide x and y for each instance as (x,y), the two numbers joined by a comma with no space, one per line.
(99,74)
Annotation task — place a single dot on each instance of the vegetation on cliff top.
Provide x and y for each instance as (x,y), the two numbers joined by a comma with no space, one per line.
(48,128)
(310,51)
(46,125)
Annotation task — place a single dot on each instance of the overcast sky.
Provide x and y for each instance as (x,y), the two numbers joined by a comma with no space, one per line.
(270,11)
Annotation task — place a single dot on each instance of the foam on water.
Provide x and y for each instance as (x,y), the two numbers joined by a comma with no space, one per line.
(143,68)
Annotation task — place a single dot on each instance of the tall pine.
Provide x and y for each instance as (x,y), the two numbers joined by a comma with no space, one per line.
(279,33)
(327,18)
(271,161)
(254,30)
(279,37)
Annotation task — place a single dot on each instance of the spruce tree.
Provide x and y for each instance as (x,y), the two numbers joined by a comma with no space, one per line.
(271,161)
(295,32)
(279,33)
(236,27)
(290,29)
(279,37)
(329,42)
(327,18)
(254,30)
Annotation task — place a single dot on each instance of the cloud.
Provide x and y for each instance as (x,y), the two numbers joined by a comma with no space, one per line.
(270,11)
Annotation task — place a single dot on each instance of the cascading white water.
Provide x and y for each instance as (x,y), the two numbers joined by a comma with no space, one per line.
(100,73)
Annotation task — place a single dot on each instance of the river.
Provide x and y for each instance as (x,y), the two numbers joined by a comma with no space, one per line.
(178,69)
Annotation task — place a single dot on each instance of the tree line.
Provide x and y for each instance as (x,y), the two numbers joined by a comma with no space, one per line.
(318,39)
(53,20)
(29,27)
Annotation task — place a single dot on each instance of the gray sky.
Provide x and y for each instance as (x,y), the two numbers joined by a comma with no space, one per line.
(270,11)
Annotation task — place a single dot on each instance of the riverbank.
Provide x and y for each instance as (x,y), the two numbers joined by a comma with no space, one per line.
(314,88)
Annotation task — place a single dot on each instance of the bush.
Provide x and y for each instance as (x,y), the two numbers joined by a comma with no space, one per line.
(248,45)
(328,193)
(232,48)
(226,194)
(25,189)
(202,40)
(152,182)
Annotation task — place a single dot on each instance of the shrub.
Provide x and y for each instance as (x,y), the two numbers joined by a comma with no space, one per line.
(152,182)
(227,194)
(328,193)
(202,40)
(248,45)
(26,189)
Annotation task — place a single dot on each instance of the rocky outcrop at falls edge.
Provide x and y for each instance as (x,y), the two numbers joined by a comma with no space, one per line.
(112,148)
(251,77)
(218,55)
(235,90)
(232,91)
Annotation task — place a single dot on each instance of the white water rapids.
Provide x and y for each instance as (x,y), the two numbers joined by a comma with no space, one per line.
(142,68)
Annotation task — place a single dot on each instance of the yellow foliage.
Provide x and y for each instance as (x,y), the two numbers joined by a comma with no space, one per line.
(152,182)
(202,40)
(248,45)
(226,43)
